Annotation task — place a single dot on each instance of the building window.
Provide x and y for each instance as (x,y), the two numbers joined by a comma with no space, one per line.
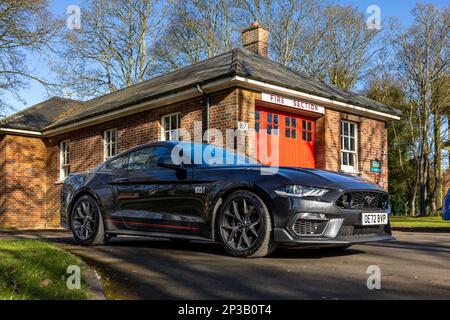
(64,157)
(290,127)
(349,142)
(273,124)
(110,143)
(307,130)
(170,125)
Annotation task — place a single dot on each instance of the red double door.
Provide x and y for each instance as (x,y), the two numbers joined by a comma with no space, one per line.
(296,135)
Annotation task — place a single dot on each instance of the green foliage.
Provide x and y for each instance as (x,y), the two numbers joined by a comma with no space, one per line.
(32,269)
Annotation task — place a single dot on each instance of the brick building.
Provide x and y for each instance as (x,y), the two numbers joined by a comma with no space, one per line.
(318,125)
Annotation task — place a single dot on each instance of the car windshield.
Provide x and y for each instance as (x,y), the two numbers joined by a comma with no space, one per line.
(207,155)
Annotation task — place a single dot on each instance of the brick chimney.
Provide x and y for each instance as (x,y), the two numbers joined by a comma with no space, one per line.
(255,39)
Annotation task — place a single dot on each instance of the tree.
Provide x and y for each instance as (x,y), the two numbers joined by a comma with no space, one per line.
(111,50)
(197,30)
(25,27)
(386,88)
(423,58)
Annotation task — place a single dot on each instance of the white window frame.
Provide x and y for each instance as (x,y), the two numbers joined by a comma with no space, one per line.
(348,168)
(64,159)
(108,145)
(171,130)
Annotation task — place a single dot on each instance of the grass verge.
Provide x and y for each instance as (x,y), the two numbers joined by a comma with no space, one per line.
(36,270)
(428,223)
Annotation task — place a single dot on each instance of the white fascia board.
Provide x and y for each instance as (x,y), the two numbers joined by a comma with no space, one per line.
(20,132)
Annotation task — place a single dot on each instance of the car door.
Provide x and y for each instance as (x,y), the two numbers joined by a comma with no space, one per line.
(154,198)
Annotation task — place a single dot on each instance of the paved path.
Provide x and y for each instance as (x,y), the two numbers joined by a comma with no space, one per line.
(415,266)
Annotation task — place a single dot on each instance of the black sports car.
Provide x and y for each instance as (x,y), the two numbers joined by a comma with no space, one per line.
(146,191)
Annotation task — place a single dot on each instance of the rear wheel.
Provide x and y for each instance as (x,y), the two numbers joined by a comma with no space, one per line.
(87,222)
(244,226)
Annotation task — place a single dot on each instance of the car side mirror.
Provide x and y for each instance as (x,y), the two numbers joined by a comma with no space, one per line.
(166,162)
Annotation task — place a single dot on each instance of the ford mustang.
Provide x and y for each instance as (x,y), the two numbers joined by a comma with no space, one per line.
(164,189)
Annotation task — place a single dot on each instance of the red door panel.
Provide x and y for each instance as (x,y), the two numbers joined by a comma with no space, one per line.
(296,138)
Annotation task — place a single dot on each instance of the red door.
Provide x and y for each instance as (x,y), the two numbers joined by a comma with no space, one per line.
(296,136)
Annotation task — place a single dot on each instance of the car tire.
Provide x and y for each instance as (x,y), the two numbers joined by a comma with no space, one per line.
(247,234)
(86,222)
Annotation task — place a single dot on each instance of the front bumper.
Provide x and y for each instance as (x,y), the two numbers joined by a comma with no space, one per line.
(284,238)
(340,227)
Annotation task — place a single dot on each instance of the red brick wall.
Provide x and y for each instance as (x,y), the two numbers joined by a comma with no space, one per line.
(29,189)
(24,193)
(3,195)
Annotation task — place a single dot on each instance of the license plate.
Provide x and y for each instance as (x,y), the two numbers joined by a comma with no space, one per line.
(370,219)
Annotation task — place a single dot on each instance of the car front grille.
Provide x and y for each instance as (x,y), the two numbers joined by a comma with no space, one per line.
(363,200)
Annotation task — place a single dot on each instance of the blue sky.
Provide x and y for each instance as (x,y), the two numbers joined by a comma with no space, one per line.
(35,93)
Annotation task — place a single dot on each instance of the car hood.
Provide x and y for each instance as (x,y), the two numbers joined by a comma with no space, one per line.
(327,179)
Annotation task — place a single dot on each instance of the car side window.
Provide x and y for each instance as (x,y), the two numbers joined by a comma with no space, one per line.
(119,163)
(146,158)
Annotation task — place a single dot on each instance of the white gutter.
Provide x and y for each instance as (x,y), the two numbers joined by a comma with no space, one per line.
(259,85)
(21,132)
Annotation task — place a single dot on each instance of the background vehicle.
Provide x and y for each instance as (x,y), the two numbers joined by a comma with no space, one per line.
(224,198)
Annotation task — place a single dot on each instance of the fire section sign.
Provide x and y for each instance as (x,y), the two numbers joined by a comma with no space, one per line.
(307,106)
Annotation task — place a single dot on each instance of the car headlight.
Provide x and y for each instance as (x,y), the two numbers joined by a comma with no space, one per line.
(301,191)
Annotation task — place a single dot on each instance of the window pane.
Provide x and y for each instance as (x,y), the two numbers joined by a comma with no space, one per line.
(304,135)
(269,117)
(288,133)
(257,127)
(294,134)
(146,158)
(352,144)
(269,129)
(257,115)
(351,159)
(166,121)
(119,164)
(303,125)
(345,129)
(346,144)
(174,122)
(345,158)
(309,136)
(275,130)
(294,122)
(352,130)
(288,121)
(275,119)
(167,135)
(309,126)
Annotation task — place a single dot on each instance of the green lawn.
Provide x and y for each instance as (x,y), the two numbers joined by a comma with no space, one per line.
(33,269)
(419,222)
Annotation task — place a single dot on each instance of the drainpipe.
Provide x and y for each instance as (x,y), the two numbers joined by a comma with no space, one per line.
(199,88)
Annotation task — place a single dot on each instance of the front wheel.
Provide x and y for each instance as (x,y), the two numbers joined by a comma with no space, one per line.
(244,226)
(87,222)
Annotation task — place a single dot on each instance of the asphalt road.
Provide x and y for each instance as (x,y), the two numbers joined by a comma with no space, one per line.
(415,266)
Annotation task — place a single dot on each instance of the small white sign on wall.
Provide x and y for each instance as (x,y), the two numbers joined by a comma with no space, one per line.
(242,126)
